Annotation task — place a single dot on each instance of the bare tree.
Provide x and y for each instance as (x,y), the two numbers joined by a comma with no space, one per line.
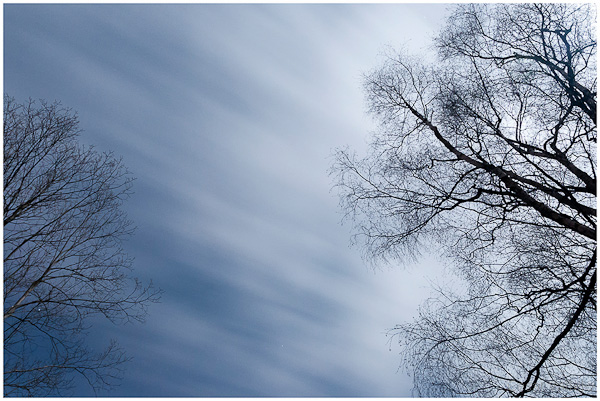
(63,259)
(490,157)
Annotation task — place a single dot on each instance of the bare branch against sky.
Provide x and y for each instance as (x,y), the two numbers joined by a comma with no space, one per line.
(63,254)
(489,156)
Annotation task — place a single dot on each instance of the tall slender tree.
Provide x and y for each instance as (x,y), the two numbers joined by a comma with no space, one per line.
(63,257)
(489,155)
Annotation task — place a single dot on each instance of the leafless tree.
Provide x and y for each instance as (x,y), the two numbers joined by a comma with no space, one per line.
(489,155)
(63,259)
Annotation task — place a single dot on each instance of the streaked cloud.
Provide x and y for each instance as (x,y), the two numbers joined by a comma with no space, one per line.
(227,115)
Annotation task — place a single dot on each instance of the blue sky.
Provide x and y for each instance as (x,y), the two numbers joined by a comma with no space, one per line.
(228,116)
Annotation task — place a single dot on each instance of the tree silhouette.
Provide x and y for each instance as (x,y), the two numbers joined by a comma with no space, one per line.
(489,156)
(63,259)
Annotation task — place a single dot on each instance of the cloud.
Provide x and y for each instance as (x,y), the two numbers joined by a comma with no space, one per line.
(227,115)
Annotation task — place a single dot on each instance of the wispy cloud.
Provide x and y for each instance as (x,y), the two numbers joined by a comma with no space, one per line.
(227,115)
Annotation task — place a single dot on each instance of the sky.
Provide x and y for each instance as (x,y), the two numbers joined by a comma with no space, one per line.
(228,116)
